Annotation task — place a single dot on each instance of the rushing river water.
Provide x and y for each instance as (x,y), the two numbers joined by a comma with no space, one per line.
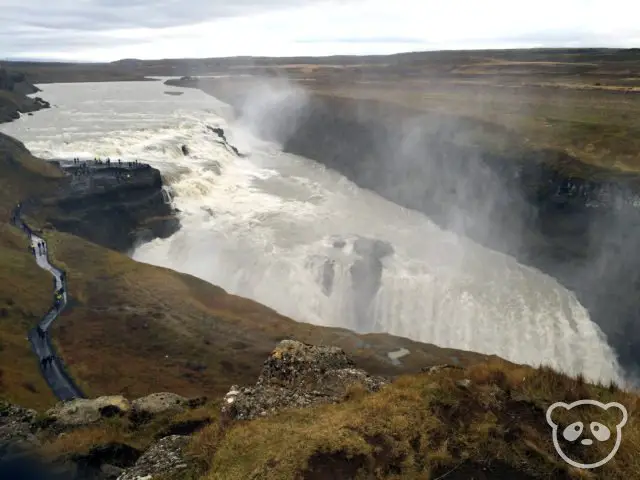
(307,242)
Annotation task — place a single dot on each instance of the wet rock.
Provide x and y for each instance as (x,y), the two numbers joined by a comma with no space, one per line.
(185,150)
(328,275)
(86,411)
(298,375)
(366,277)
(218,131)
(161,459)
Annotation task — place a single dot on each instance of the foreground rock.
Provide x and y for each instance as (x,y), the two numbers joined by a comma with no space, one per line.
(16,429)
(156,403)
(27,440)
(298,375)
(162,459)
(82,411)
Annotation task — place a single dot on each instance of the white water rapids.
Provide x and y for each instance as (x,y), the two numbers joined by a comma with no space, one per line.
(307,242)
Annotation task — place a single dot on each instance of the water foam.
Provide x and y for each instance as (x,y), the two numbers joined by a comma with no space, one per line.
(306,241)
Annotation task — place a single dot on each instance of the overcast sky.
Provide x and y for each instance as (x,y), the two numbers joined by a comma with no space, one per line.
(106,30)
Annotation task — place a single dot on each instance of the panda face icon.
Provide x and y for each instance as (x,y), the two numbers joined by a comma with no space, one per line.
(599,431)
(589,433)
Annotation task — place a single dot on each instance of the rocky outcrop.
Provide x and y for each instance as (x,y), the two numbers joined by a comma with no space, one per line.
(25,434)
(223,139)
(82,412)
(16,428)
(13,96)
(298,375)
(116,206)
(163,459)
(157,403)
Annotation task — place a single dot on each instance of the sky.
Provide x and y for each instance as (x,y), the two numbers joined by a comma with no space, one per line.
(108,30)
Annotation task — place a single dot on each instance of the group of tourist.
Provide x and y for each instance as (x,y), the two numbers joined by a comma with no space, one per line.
(41,246)
(107,162)
(85,168)
(47,361)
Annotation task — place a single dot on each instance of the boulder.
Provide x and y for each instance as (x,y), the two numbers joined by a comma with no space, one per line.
(158,403)
(161,459)
(298,375)
(86,411)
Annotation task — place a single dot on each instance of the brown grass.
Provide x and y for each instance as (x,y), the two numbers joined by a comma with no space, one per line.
(423,426)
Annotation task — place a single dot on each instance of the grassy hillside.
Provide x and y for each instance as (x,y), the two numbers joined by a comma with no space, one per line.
(484,422)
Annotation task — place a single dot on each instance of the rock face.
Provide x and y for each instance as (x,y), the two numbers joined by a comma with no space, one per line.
(298,375)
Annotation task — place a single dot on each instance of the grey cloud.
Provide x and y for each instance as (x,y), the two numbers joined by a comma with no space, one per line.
(374,39)
(36,25)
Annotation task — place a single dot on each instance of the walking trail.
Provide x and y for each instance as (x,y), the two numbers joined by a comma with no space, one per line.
(51,365)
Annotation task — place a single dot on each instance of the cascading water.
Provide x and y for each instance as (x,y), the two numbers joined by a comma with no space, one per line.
(290,234)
